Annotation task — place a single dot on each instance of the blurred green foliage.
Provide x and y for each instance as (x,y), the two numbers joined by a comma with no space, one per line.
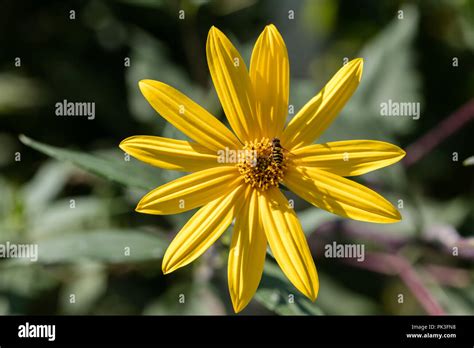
(83,250)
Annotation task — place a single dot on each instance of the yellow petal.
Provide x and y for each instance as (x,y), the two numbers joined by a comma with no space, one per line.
(287,242)
(270,76)
(313,119)
(340,196)
(348,158)
(202,230)
(232,83)
(191,191)
(170,153)
(246,255)
(189,117)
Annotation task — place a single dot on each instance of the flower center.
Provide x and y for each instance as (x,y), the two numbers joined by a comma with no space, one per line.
(263,164)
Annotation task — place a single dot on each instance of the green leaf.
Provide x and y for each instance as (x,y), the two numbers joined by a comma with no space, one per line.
(87,281)
(278,295)
(456,301)
(147,54)
(144,3)
(449,212)
(129,173)
(48,182)
(19,93)
(190,298)
(6,203)
(389,69)
(58,218)
(336,299)
(468,161)
(389,73)
(112,246)
(227,7)
(25,279)
(311,218)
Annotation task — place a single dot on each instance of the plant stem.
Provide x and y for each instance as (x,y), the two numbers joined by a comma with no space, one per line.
(438,134)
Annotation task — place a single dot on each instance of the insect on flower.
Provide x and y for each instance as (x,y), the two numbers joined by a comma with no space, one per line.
(278,151)
(255,103)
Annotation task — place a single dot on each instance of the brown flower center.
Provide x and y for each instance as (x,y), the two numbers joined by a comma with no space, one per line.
(263,165)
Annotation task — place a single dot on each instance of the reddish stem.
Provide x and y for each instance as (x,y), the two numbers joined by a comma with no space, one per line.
(435,136)
(395,264)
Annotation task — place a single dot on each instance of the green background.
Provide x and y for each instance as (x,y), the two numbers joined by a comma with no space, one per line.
(408,57)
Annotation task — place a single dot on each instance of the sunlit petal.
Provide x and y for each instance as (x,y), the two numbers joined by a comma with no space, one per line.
(170,153)
(202,230)
(270,76)
(232,83)
(287,242)
(190,191)
(313,119)
(348,158)
(189,117)
(247,254)
(340,196)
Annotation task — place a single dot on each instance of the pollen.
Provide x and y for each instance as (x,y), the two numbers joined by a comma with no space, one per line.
(260,167)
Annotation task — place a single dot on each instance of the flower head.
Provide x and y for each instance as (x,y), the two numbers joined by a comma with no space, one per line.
(246,188)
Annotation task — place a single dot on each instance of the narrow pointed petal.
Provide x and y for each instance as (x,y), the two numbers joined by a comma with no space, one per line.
(348,158)
(170,153)
(247,254)
(232,83)
(287,242)
(189,117)
(202,230)
(340,196)
(270,76)
(191,191)
(313,119)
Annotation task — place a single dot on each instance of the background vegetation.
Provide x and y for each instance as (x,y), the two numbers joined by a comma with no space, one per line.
(408,57)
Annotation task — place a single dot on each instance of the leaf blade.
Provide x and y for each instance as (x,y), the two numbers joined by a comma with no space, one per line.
(122,172)
(277,294)
(105,245)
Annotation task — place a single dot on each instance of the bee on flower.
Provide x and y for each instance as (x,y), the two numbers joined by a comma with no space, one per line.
(255,103)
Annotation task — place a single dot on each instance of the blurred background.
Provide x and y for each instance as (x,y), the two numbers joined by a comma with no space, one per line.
(66,186)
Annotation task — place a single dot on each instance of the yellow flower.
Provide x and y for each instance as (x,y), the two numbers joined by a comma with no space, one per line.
(255,104)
